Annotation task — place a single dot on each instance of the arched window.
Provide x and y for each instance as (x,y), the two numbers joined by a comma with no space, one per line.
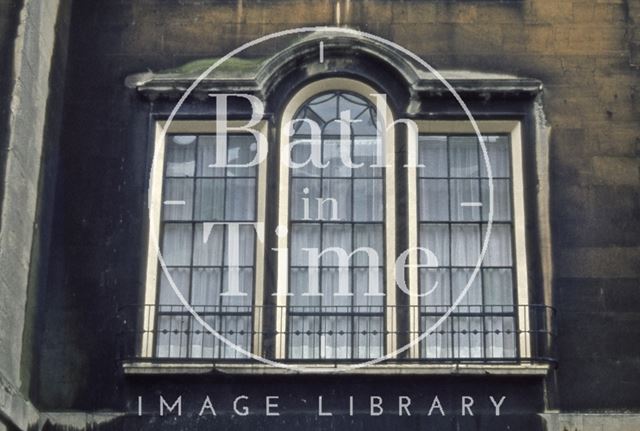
(338,225)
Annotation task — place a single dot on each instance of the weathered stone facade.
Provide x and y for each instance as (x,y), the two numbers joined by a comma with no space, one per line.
(78,252)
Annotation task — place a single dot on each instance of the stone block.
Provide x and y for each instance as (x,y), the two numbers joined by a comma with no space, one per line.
(616,170)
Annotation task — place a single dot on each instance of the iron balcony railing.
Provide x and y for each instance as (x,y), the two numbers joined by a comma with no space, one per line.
(338,334)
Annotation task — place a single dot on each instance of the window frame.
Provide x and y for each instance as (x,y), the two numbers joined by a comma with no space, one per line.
(155,192)
(290,109)
(513,129)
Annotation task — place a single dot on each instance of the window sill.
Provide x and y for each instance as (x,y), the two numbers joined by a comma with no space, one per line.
(169,368)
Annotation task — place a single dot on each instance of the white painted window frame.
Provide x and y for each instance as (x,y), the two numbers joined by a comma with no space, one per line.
(196,127)
(448,127)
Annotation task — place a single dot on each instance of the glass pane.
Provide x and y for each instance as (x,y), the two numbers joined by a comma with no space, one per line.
(366,124)
(177,202)
(244,245)
(434,200)
(335,235)
(368,200)
(340,192)
(365,292)
(471,301)
(243,284)
(468,337)
(433,156)
(236,329)
(336,167)
(499,248)
(371,236)
(463,156)
(436,345)
(338,301)
(240,199)
(304,200)
(500,337)
(205,288)
(168,296)
(352,103)
(173,336)
(365,151)
(498,289)
(465,200)
(435,238)
(241,150)
(304,337)
(335,340)
(501,200)
(209,199)
(207,157)
(176,244)
(498,152)
(325,106)
(203,343)
(299,286)
(301,154)
(368,335)
(180,156)
(434,284)
(465,245)
(303,236)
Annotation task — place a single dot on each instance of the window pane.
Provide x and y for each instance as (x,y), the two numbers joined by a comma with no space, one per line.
(340,193)
(437,344)
(173,336)
(471,301)
(365,151)
(463,156)
(465,198)
(205,288)
(498,289)
(468,337)
(208,244)
(370,236)
(435,238)
(209,199)
(180,278)
(433,156)
(304,200)
(499,248)
(335,235)
(176,244)
(300,154)
(465,245)
(434,284)
(498,152)
(241,150)
(500,337)
(178,198)
(240,199)
(207,157)
(303,236)
(331,155)
(180,156)
(368,333)
(501,200)
(368,200)
(434,200)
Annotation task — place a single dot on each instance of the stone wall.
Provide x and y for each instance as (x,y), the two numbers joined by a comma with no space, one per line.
(27,48)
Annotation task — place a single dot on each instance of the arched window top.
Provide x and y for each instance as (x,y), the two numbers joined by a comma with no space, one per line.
(330,109)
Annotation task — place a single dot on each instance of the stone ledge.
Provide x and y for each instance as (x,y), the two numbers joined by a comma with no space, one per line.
(14,408)
(592,421)
(156,368)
